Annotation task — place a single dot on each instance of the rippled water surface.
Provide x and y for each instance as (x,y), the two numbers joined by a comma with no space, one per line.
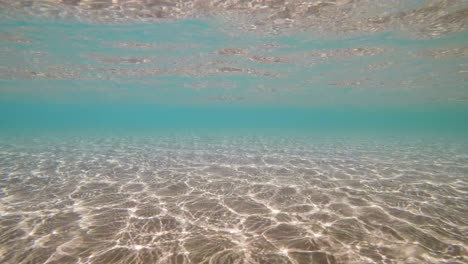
(248,52)
(238,131)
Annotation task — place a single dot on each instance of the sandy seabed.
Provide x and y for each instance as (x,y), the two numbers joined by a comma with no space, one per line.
(231,200)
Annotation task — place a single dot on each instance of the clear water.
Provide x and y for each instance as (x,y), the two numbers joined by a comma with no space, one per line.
(233,131)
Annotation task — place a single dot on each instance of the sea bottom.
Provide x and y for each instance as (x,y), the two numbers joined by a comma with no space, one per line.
(231,200)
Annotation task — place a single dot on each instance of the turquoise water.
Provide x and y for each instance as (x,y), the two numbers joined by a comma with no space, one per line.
(194,74)
(233,131)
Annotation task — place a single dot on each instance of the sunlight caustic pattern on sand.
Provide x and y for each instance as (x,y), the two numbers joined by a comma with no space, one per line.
(248,200)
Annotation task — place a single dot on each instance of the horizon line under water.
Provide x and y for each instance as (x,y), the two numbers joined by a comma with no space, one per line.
(233,131)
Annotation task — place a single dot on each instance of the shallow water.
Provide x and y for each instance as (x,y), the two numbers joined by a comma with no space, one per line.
(233,131)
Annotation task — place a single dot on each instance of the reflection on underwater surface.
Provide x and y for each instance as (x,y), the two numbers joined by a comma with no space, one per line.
(428,18)
(339,55)
(231,200)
